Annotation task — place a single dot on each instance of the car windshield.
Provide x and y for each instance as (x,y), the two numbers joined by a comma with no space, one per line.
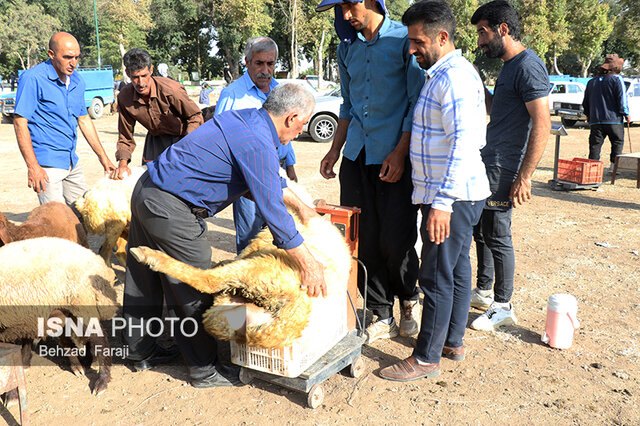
(335,92)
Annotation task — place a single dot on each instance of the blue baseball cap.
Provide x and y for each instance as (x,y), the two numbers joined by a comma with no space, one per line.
(344,29)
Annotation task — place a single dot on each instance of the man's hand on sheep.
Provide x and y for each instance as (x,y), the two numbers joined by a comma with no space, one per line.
(311,271)
(122,171)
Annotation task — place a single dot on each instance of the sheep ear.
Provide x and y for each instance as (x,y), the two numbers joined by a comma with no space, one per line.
(5,238)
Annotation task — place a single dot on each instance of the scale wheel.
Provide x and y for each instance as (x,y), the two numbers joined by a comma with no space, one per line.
(356,369)
(244,376)
(315,396)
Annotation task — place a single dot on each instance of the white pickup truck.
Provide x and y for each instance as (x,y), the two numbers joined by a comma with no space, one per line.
(571,112)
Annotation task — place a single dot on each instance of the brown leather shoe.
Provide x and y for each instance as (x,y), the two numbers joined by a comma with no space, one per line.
(456,354)
(409,369)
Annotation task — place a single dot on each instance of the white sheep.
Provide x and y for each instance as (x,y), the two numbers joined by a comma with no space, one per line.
(263,285)
(106,210)
(52,277)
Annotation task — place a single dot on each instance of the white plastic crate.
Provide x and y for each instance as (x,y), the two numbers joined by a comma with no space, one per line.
(327,326)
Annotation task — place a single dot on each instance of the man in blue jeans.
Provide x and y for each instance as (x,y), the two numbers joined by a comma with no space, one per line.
(250,91)
(516,137)
(449,183)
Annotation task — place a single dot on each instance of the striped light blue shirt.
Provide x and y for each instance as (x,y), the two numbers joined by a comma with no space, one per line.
(449,129)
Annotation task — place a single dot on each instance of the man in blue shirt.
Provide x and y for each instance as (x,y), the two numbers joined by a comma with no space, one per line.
(49,108)
(250,91)
(380,82)
(605,105)
(450,185)
(230,155)
(517,134)
(204,93)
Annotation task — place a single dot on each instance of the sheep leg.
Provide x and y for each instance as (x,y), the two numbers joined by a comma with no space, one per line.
(113,231)
(74,363)
(160,262)
(101,352)
(10,398)
(121,247)
(26,353)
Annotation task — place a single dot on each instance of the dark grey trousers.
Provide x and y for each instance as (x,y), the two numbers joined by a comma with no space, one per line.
(163,222)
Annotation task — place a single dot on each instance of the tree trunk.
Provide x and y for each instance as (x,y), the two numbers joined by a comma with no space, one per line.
(125,77)
(233,63)
(293,72)
(555,62)
(319,58)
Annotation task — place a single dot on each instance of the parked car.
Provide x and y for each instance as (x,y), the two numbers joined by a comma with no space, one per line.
(572,112)
(324,120)
(565,91)
(320,84)
(98,92)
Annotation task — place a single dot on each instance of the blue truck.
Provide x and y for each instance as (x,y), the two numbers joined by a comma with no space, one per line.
(97,94)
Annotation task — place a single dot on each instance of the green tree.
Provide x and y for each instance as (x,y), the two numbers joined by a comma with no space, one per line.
(590,26)
(557,19)
(235,21)
(76,18)
(315,34)
(124,25)
(535,26)
(465,38)
(627,29)
(25,30)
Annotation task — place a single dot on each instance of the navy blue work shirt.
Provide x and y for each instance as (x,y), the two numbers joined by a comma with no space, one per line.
(221,160)
(52,111)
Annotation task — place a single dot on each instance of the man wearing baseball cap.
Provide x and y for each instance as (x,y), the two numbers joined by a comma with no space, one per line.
(605,105)
(380,83)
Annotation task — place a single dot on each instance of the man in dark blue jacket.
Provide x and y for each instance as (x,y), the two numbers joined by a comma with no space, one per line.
(605,105)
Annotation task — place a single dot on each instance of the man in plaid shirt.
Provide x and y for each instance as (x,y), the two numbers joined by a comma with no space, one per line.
(450,185)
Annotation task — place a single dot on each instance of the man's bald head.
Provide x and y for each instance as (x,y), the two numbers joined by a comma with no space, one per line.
(62,39)
(64,52)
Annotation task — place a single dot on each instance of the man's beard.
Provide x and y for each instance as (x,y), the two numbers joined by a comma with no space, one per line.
(495,48)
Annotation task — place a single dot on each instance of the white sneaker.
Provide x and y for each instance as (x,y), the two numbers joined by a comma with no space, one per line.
(380,330)
(495,317)
(409,318)
(480,302)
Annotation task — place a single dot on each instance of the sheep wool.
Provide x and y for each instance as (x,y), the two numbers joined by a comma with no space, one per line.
(106,209)
(40,275)
(267,278)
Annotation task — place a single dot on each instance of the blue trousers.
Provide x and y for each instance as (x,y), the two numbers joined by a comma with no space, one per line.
(248,221)
(445,280)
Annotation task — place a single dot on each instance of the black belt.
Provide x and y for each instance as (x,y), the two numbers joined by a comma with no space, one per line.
(200,212)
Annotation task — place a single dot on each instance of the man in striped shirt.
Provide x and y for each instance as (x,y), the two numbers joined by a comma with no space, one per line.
(228,156)
(450,185)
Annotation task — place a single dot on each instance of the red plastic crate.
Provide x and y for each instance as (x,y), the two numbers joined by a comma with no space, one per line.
(580,170)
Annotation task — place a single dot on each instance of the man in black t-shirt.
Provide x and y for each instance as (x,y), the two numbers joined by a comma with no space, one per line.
(516,137)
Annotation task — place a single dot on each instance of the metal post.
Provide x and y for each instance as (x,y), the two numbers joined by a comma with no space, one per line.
(95,16)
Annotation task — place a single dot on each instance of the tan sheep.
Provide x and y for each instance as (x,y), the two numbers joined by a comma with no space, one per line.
(51,277)
(264,282)
(52,219)
(106,210)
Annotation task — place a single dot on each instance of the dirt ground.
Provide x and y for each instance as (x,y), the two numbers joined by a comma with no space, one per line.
(509,376)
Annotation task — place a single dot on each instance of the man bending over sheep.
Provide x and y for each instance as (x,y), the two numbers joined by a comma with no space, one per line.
(228,156)
(160,104)
(49,108)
